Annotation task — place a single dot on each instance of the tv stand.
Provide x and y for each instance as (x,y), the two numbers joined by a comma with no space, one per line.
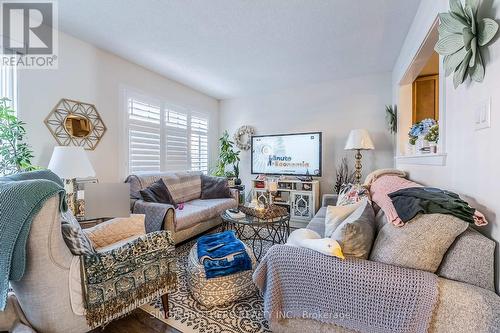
(301,198)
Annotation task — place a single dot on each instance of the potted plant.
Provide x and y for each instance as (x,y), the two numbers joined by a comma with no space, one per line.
(433,137)
(227,157)
(418,133)
(15,154)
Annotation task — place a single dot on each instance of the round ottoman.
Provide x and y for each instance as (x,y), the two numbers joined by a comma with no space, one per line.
(219,290)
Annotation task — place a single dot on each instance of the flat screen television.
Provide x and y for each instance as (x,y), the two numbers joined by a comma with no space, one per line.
(287,154)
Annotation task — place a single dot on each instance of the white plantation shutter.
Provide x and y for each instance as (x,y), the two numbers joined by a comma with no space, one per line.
(199,142)
(165,138)
(176,140)
(144,134)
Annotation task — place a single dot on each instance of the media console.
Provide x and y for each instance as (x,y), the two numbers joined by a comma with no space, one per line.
(300,197)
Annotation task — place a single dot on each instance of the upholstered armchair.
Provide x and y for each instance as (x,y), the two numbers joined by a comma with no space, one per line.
(61,292)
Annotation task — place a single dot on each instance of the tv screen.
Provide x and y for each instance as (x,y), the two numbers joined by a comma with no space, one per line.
(287,154)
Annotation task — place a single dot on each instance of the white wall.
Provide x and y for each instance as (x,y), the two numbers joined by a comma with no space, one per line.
(89,74)
(333,108)
(473,159)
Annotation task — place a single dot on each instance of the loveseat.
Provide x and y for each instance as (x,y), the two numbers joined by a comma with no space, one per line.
(197,215)
(466,298)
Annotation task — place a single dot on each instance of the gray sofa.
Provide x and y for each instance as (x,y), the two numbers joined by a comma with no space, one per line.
(466,303)
(197,216)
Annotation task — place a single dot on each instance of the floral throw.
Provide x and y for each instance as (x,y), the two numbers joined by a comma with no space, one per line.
(117,281)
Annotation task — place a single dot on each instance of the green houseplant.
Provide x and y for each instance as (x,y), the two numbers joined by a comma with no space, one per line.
(15,154)
(228,157)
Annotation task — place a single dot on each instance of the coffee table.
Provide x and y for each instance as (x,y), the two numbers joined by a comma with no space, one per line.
(256,231)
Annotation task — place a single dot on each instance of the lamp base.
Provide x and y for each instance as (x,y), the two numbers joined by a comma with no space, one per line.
(358,166)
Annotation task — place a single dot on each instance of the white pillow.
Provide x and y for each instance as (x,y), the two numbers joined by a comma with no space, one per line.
(310,239)
(335,215)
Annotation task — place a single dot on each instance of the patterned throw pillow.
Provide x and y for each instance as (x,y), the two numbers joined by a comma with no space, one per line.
(351,193)
(78,243)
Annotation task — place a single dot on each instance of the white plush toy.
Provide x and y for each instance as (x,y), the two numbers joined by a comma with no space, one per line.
(310,239)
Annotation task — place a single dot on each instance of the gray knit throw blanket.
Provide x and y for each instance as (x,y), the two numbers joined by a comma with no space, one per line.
(21,198)
(359,295)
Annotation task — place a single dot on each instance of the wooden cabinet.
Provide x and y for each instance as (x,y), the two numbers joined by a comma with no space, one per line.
(426,98)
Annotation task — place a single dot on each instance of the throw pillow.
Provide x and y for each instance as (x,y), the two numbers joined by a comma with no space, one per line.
(310,239)
(379,193)
(335,215)
(78,243)
(420,244)
(158,192)
(214,188)
(351,193)
(355,235)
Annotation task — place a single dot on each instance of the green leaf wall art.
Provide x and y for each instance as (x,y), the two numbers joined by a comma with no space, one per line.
(461,35)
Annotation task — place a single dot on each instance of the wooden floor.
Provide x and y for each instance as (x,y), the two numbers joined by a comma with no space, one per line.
(137,322)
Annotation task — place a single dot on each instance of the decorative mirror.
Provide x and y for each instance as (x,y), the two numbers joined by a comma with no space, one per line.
(75,123)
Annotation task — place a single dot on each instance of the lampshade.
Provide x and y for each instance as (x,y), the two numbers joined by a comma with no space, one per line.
(70,162)
(359,139)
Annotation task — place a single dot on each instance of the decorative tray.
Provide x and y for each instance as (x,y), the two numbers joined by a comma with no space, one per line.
(268,213)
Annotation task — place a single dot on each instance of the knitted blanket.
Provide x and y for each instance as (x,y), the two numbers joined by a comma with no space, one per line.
(359,295)
(21,198)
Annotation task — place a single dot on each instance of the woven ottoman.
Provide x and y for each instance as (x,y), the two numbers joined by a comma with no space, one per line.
(219,290)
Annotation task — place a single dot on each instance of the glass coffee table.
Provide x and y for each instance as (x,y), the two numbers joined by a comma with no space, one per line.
(255,231)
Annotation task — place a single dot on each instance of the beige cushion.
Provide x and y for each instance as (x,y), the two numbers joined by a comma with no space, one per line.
(471,259)
(335,215)
(115,230)
(184,186)
(199,210)
(117,244)
(420,244)
(355,235)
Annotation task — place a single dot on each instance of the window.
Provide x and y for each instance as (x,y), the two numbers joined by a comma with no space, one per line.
(162,137)
(8,85)
(8,88)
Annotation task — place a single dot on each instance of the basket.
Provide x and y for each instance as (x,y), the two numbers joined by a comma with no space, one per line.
(269,213)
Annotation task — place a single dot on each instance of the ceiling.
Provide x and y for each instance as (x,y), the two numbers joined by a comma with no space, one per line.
(233,48)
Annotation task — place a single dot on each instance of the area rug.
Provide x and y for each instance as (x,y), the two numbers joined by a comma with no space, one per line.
(188,316)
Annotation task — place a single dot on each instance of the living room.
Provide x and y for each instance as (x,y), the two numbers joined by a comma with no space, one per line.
(172,129)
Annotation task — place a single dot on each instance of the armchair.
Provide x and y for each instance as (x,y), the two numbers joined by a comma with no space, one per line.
(61,292)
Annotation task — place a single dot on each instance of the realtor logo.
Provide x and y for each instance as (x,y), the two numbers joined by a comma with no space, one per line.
(29,34)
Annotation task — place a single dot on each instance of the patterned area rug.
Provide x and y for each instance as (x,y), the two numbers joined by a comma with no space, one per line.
(187,315)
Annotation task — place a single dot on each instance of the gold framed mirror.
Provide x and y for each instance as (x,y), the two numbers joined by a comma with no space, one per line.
(75,123)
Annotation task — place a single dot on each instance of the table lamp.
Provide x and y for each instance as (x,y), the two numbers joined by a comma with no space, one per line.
(69,163)
(359,140)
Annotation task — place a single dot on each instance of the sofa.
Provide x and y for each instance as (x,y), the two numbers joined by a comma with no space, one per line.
(466,298)
(197,215)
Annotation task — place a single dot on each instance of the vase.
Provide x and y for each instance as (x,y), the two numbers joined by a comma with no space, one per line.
(410,149)
(237,182)
(421,145)
(433,147)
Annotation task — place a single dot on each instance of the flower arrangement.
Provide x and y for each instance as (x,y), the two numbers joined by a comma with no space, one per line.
(433,134)
(420,129)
